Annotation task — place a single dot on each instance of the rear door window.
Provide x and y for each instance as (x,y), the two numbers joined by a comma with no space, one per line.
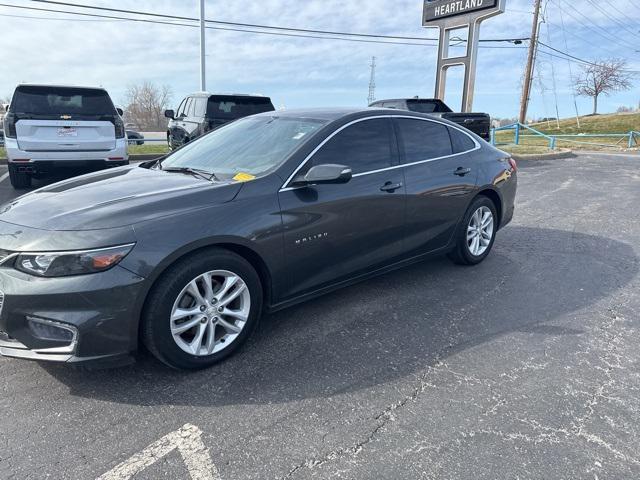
(460,141)
(231,108)
(364,146)
(427,106)
(58,101)
(200,106)
(422,139)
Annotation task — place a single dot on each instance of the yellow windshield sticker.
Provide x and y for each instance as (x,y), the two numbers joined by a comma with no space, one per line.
(244,177)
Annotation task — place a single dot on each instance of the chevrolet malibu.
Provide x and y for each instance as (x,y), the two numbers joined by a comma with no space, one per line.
(184,254)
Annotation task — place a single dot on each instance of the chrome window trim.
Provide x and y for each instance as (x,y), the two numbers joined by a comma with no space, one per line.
(286,188)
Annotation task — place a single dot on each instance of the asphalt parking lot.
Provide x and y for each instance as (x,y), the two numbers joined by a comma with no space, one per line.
(527,366)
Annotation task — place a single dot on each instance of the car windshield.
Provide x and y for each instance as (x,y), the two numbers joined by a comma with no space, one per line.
(58,101)
(252,145)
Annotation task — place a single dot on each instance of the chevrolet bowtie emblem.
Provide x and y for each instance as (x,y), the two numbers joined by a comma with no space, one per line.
(65,117)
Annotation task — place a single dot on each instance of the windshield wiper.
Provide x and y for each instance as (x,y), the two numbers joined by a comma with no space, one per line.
(196,172)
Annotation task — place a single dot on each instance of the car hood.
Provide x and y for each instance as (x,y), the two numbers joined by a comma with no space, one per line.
(115,198)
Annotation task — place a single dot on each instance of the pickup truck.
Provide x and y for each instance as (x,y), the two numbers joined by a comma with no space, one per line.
(478,123)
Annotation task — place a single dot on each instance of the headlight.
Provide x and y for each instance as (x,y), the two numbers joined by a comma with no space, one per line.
(62,264)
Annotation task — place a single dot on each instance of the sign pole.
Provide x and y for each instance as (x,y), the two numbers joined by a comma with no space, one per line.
(203,83)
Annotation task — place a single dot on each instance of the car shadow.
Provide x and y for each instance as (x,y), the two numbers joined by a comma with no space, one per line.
(388,327)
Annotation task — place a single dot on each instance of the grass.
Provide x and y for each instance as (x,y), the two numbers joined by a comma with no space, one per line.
(611,123)
(148,148)
(524,149)
(599,124)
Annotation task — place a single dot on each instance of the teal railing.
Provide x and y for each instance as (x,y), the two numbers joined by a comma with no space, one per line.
(522,130)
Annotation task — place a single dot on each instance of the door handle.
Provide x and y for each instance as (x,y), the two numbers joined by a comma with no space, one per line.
(390,187)
(461,171)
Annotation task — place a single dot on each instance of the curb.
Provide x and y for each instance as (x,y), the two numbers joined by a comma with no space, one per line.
(545,156)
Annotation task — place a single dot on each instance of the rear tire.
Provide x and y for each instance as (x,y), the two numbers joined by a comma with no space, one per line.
(476,234)
(213,336)
(19,180)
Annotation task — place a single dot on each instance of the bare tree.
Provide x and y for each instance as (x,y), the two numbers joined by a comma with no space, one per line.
(146,104)
(602,78)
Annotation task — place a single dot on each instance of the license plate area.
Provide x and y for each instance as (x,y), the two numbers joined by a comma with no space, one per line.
(67,132)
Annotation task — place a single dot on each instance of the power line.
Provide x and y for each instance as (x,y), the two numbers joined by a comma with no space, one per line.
(143,20)
(266,27)
(53,18)
(601,31)
(615,20)
(588,41)
(581,60)
(581,38)
(243,30)
(571,77)
(553,68)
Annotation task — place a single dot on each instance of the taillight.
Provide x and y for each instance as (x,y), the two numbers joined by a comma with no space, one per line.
(10,125)
(119,126)
(514,165)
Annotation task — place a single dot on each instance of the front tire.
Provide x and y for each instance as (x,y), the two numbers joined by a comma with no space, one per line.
(19,180)
(476,234)
(202,310)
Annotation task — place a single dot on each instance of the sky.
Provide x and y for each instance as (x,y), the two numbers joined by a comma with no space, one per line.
(305,72)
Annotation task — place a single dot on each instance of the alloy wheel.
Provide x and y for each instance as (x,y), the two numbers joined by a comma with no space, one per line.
(480,231)
(210,312)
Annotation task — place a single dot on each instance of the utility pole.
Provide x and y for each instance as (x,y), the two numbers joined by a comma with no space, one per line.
(203,82)
(372,82)
(528,75)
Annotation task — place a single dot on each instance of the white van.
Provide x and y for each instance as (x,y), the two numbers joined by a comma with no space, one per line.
(48,127)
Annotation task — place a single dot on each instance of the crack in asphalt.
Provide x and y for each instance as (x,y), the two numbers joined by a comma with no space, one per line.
(611,359)
(382,419)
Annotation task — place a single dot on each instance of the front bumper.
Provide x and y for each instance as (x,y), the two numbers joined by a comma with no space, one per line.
(100,311)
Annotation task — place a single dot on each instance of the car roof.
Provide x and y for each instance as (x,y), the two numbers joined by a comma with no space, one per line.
(319,113)
(51,85)
(332,114)
(209,94)
(406,99)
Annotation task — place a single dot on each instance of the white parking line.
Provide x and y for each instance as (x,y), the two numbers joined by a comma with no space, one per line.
(4,177)
(186,440)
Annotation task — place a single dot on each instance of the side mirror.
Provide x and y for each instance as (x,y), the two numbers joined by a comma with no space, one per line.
(120,111)
(170,114)
(323,174)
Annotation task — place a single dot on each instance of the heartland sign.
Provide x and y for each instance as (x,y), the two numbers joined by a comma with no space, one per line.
(456,18)
(438,9)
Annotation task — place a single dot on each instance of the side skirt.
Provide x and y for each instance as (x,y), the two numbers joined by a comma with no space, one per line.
(357,279)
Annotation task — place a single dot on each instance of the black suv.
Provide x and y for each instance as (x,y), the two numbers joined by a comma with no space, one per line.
(201,112)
